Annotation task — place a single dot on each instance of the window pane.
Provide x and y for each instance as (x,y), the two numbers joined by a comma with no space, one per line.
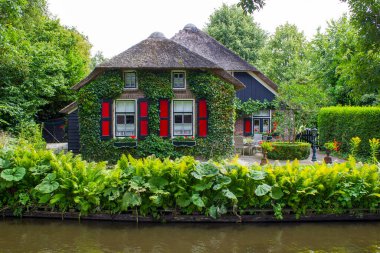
(178,106)
(130,79)
(179,80)
(188,118)
(265,125)
(177,119)
(125,106)
(188,106)
(130,119)
(120,119)
(256,125)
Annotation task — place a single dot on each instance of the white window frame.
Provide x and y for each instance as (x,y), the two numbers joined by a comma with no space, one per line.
(114,117)
(172,117)
(184,76)
(125,80)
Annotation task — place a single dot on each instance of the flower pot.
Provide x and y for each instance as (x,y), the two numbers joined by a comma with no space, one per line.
(264,161)
(125,144)
(328,158)
(184,143)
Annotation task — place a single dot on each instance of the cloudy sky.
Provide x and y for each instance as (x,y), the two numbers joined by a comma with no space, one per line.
(112,26)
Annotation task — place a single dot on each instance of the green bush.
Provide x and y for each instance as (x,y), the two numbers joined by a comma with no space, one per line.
(343,123)
(33,178)
(289,151)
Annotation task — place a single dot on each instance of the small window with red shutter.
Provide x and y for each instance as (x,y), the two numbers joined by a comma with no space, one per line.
(202,118)
(143,108)
(106,119)
(164,105)
(183,118)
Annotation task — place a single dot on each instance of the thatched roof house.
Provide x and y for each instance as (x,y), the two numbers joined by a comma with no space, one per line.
(171,88)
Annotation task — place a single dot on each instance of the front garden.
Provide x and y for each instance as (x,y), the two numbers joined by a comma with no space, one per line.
(33,178)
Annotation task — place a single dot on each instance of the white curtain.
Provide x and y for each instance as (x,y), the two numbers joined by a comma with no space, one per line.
(125,106)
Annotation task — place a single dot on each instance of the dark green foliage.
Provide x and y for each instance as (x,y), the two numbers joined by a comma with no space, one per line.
(156,85)
(39,61)
(237,31)
(220,101)
(109,85)
(218,93)
(36,178)
(289,151)
(343,123)
(155,145)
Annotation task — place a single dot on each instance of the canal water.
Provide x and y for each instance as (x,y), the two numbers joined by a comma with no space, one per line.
(34,235)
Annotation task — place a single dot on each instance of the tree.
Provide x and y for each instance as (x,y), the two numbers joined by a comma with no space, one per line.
(237,31)
(365,14)
(39,61)
(284,57)
(97,59)
(343,66)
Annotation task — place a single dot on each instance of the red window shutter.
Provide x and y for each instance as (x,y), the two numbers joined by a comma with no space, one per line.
(106,119)
(164,118)
(143,108)
(202,116)
(247,126)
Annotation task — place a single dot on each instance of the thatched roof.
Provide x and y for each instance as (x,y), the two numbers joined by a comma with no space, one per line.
(203,44)
(158,52)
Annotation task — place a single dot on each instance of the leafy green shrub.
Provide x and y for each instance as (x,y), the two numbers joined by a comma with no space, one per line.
(344,123)
(289,151)
(35,178)
(155,145)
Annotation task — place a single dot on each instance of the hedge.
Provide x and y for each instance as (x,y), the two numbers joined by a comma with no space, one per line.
(289,151)
(33,178)
(343,123)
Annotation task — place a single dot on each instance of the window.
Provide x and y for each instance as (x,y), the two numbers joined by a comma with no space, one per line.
(266,125)
(125,111)
(256,126)
(130,79)
(183,118)
(179,80)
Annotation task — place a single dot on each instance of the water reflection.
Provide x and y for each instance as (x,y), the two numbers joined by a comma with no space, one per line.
(71,236)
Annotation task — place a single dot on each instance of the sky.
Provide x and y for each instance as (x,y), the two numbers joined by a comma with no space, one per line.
(113,26)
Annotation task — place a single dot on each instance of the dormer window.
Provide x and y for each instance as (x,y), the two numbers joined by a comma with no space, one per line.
(179,79)
(130,80)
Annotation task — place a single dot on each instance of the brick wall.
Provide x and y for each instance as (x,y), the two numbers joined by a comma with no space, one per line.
(239,126)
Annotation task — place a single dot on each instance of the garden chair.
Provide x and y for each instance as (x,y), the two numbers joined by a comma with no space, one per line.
(257,138)
(239,144)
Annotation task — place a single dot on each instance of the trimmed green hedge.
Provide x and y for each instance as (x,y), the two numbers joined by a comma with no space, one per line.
(343,123)
(289,151)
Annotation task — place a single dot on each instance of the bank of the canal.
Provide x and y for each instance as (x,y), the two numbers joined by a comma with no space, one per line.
(41,235)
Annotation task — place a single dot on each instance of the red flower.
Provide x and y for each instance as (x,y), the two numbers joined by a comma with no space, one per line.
(133,137)
(260,142)
(192,137)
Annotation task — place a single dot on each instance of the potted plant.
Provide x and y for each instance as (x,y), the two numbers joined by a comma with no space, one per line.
(184,141)
(127,142)
(266,147)
(330,146)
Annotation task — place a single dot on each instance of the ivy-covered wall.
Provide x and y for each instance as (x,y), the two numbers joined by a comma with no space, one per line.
(157,85)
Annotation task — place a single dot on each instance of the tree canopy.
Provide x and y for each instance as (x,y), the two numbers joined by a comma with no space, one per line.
(237,31)
(39,61)
(365,16)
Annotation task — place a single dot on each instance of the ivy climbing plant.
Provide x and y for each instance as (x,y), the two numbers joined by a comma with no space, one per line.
(156,85)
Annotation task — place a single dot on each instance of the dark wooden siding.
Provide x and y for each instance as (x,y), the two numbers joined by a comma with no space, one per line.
(73,132)
(254,89)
